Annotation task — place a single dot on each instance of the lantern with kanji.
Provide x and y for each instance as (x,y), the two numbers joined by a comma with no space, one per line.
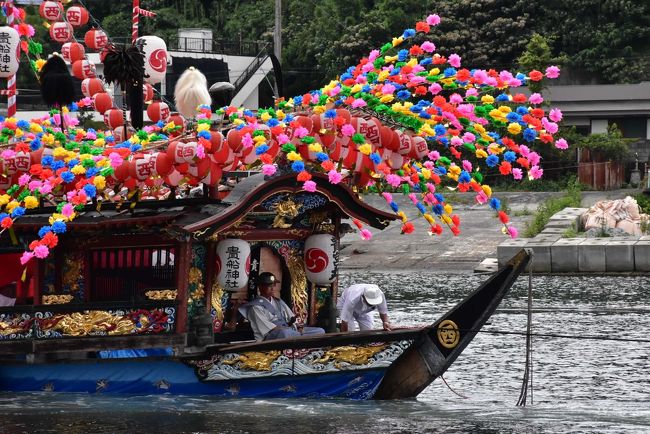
(77,16)
(233,263)
(154,164)
(83,69)
(95,39)
(61,32)
(51,11)
(113,118)
(73,51)
(158,111)
(9,40)
(147,92)
(321,258)
(155,58)
(92,86)
(118,133)
(102,102)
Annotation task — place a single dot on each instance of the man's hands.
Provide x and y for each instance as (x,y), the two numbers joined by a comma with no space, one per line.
(387,326)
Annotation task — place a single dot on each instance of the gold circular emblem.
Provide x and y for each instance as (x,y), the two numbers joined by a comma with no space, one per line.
(448,334)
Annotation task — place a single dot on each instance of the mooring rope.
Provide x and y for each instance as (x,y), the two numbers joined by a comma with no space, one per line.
(527,381)
(453,391)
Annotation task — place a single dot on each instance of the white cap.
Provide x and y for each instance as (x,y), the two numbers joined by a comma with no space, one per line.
(373,295)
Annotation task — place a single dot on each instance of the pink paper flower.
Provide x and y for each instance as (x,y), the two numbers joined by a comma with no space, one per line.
(524,151)
(456,141)
(366,234)
(555,115)
(247,140)
(514,233)
(115,159)
(387,89)
(413,198)
(467,166)
(373,55)
(282,139)
(454,60)
(455,98)
(268,169)
(357,103)
(435,88)
(309,186)
(533,158)
(26,257)
(552,72)
(394,180)
(535,172)
(300,132)
(23,179)
(67,210)
(481,197)
(348,130)
(200,151)
(387,196)
(46,188)
(471,92)
(434,155)
(33,185)
(433,20)
(41,251)
(535,99)
(334,176)
(517,173)
(469,137)
(561,144)
(428,47)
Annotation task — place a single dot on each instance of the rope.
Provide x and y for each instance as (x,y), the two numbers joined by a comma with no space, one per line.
(453,391)
(528,370)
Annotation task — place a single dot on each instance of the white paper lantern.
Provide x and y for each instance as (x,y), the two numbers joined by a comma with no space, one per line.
(420,148)
(9,40)
(155,58)
(233,263)
(321,259)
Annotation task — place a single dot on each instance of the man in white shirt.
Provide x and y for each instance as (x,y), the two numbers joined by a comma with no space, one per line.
(270,317)
(357,303)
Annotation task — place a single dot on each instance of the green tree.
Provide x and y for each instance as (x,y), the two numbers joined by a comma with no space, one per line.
(538,56)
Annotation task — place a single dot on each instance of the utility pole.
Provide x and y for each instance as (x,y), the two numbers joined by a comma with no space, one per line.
(277,32)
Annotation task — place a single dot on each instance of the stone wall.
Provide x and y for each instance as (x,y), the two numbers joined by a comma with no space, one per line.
(554,254)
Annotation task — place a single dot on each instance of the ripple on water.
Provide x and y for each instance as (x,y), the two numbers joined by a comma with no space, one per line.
(579,385)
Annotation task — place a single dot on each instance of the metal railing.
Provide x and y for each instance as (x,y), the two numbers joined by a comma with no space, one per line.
(251,69)
(232,47)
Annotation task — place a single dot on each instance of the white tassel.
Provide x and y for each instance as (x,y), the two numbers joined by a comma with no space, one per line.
(191,91)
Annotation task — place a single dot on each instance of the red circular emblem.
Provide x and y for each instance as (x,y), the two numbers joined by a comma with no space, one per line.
(158,60)
(316,260)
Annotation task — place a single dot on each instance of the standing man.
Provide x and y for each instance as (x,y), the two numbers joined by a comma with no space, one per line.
(270,317)
(357,303)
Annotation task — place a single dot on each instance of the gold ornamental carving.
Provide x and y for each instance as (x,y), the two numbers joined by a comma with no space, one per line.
(161,294)
(215,300)
(92,322)
(254,360)
(448,334)
(195,280)
(57,299)
(296,266)
(285,210)
(73,267)
(350,354)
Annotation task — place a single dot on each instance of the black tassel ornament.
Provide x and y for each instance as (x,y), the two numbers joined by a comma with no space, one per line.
(57,85)
(124,64)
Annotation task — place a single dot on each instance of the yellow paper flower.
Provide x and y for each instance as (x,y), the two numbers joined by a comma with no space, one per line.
(487,99)
(445,218)
(514,128)
(78,169)
(31,202)
(259,139)
(479,128)
(39,64)
(60,152)
(11,205)
(390,59)
(19,133)
(35,128)
(480,153)
(402,216)
(265,117)
(100,182)
(448,208)
(365,149)
(319,109)
(386,98)
(487,190)
(280,114)
(429,219)
(206,127)
(356,88)
(238,121)
(4,199)
(426,173)
(315,147)
(48,139)
(505,109)
(293,156)
(397,41)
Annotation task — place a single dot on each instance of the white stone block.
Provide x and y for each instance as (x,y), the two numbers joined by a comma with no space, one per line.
(619,255)
(564,255)
(541,261)
(642,255)
(591,255)
(509,248)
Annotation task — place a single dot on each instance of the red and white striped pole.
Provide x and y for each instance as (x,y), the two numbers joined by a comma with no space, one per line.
(11,81)
(136,17)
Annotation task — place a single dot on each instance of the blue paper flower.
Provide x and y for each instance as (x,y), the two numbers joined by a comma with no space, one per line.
(59,227)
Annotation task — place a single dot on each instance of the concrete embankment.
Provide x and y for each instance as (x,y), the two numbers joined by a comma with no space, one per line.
(389,250)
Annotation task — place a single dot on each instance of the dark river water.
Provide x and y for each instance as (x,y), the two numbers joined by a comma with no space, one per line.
(580,385)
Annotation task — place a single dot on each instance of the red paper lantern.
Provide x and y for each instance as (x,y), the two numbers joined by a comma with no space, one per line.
(95,39)
(118,133)
(234,140)
(178,120)
(102,102)
(158,111)
(83,69)
(147,92)
(76,52)
(405,144)
(51,11)
(214,175)
(61,32)
(122,172)
(92,86)
(419,148)
(113,118)
(77,16)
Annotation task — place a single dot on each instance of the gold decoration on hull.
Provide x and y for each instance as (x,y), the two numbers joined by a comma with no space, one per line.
(350,354)
(57,299)
(296,266)
(254,360)
(73,266)
(161,294)
(195,280)
(448,334)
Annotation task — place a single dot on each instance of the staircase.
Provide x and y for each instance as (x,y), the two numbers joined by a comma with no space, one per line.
(245,83)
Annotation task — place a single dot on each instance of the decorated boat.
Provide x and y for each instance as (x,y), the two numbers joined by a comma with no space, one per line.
(126,252)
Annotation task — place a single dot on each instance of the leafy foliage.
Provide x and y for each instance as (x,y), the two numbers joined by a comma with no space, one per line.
(545,211)
(610,145)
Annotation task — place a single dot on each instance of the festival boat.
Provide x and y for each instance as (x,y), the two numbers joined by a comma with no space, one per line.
(126,252)
(131,302)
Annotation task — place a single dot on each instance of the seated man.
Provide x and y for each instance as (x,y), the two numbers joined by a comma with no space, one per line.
(357,304)
(270,317)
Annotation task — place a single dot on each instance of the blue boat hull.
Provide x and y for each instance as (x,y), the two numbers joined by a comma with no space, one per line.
(149,377)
